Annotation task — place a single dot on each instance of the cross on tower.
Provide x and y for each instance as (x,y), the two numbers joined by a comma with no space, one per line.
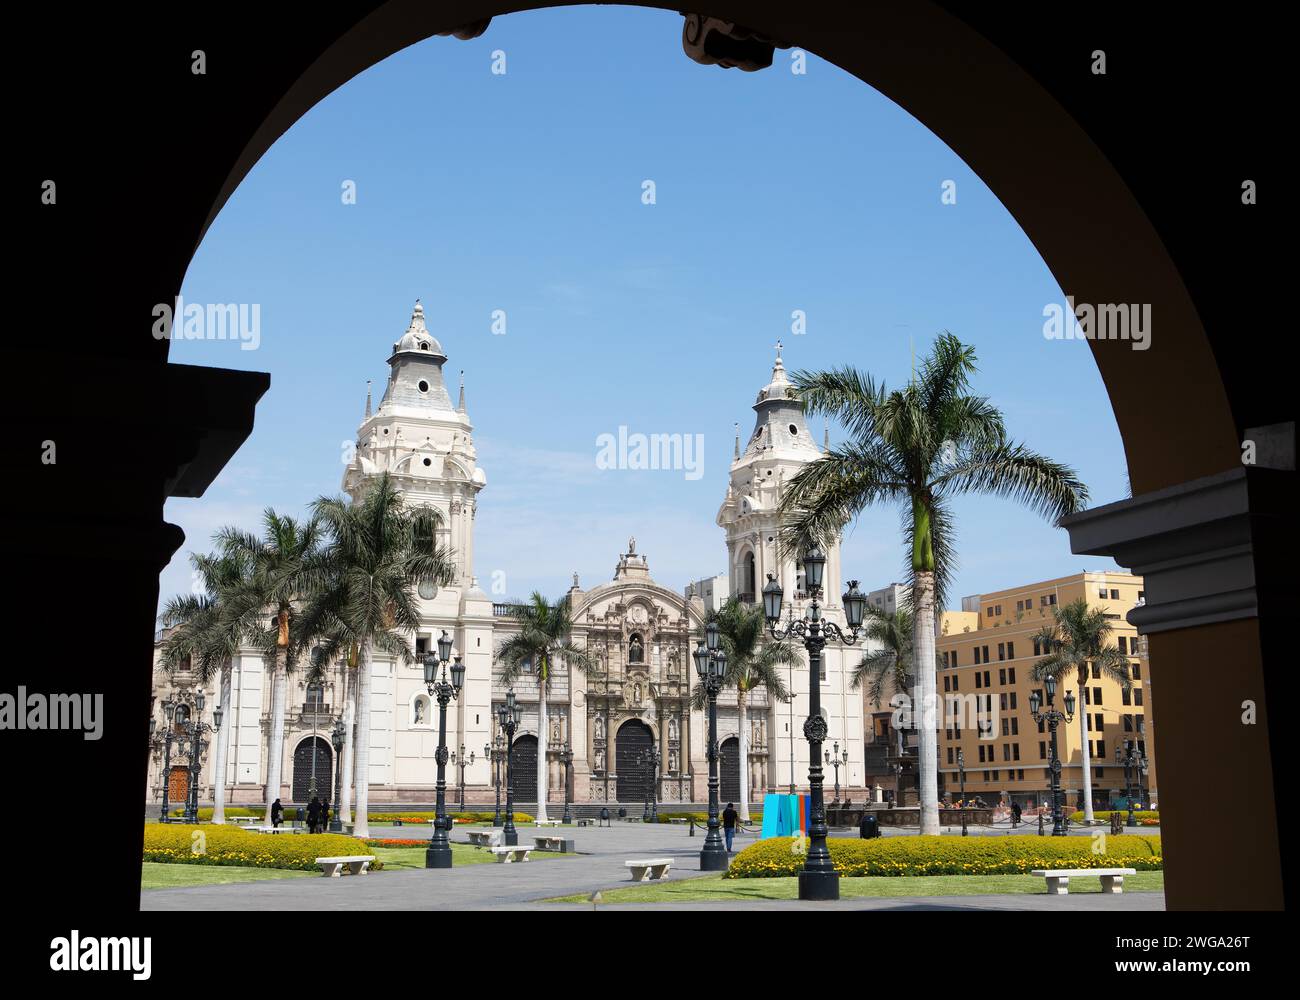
(778,350)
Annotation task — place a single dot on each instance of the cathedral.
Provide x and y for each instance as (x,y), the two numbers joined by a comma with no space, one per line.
(640,634)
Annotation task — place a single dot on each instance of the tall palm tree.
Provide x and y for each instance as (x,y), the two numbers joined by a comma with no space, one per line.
(380,549)
(1078,640)
(887,665)
(751,663)
(545,635)
(285,564)
(919,446)
(204,638)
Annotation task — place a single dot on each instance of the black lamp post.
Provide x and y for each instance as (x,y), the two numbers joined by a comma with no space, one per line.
(438,854)
(961,777)
(496,750)
(169,734)
(1133,762)
(649,759)
(336,738)
(818,880)
(1053,718)
(566,758)
(711,666)
(837,760)
(509,716)
(192,743)
(462,762)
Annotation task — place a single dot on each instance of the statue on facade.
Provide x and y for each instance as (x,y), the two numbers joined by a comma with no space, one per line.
(631,546)
(600,728)
(419,711)
(672,728)
(635,650)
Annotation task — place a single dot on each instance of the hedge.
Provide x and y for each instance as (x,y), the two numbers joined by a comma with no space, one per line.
(702,818)
(175,844)
(778,856)
(1145,817)
(456,817)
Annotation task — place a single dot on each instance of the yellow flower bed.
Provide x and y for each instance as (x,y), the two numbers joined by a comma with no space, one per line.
(182,844)
(1143,816)
(779,856)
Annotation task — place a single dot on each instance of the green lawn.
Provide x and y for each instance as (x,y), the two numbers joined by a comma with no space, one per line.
(715,888)
(160,876)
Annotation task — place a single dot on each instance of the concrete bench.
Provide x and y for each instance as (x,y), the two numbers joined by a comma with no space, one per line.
(678,819)
(1058,879)
(245,819)
(274,829)
(548,822)
(356,864)
(510,855)
(486,838)
(648,869)
(556,844)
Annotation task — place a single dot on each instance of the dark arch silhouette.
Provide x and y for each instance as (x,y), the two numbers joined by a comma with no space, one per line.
(634,737)
(523,770)
(302,770)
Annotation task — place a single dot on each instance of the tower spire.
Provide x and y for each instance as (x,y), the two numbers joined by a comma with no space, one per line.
(367,399)
(826,436)
(737,452)
(460,407)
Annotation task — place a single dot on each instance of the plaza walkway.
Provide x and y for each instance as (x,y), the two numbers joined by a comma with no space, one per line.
(598,866)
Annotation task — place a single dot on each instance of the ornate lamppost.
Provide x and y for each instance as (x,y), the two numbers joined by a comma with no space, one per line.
(711,667)
(169,734)
(192,743)
(1133,761)
(496,751)
(818,880)
(566,758)
(337,735)
(438,854)
(1053,718)
(961,777)
(462,763)
(837,759)
(649,760)
(509,716)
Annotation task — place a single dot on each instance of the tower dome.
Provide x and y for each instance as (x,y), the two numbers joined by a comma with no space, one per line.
(417,337)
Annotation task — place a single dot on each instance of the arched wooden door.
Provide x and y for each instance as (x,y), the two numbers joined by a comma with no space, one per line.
(178,786)
(302,761)
(634,738)
(729,772)
(524,770)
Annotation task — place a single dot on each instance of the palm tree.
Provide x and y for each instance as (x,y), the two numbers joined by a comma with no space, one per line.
(204,638)
(379,551)
(887,665)
(751,663)
(545,634)
(285,564)
(1077,639)
(918,446)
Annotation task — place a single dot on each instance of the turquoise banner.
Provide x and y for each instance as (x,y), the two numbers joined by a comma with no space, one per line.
(784,815)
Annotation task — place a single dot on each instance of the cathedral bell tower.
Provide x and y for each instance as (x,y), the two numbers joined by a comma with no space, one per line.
(424,442)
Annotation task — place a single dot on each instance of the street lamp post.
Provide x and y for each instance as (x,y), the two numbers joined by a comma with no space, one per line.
(649,760)
(193,736)
(438,854)
(818,880)
(1053,718)
(837,760)
(496,750)
(336,738)
(509,716)
(711,667)
(566,758)
(462,762)
(961,777)
(1132,762)
(169,733)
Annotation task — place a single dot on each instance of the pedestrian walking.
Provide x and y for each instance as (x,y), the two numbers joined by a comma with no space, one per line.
(277,813)
(313,815)
(729,817)
(325,816)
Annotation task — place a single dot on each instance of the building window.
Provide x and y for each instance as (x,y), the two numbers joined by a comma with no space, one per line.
(1128,723)
(1002,674)
(945,682)
(950,755)
(1137,671)
(1137,696)
(1096,696)
(978,680)
(1042,750)
(1013,699)
(1011,655)
(1114,594)
(1006,751)
(1125,697)
(1015,724)
(1002,701)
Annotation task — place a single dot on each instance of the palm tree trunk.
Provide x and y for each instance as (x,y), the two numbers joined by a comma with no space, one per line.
(344,763)
(928,736)
(275,745)
(222,749)
(541,746)
(742,711)
(1085,757)
(362,755)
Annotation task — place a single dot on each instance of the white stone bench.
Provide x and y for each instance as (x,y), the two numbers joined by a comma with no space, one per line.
(245,819)
(510,855)
(678,819)
(356,864)
(647,869)
(274,829)
(556,844)
(486,838)
(548,822)
(1058,879)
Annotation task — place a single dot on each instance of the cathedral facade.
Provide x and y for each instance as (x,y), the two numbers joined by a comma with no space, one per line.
(640,634)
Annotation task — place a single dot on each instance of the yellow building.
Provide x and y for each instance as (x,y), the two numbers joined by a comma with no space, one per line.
(986,655)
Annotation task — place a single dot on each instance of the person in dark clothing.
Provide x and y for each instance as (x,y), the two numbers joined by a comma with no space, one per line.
(313,815)
(869,827)
(325,816)
(277,813)
(729,818)
(1015,813)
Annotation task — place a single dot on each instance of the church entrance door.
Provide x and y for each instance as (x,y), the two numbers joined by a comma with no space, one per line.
(302,757)
(178,786)
(523,771)
(729,773)
(634,738)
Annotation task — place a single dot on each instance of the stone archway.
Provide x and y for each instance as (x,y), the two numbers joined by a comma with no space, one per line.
(633,739)
(523,770)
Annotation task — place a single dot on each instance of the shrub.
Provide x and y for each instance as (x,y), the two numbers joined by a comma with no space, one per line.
(456,817)
(702,818)
(175,844)
(1145,817)
(776,856)
(205,815)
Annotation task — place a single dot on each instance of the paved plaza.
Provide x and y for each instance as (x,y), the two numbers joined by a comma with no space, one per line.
(598,866)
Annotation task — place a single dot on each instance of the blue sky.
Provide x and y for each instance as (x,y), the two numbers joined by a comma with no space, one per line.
(522,192)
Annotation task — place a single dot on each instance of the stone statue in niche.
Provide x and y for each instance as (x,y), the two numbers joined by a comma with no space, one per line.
(636,693)
(600,727)
(555,730)
(635,650)
(672,728)
(419,711)
(600,760)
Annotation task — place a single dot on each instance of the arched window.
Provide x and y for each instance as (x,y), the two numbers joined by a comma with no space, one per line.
(750,580)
